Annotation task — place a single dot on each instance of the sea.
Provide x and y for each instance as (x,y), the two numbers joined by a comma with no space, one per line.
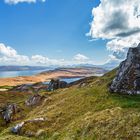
(8,74)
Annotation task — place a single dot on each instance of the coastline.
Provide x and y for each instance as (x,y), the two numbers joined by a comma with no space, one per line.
(46,76)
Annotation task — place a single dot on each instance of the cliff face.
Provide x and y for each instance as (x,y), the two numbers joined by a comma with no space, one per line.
(127,79)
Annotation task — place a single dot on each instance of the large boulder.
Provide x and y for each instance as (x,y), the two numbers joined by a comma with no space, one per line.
(56,84)
(127,80)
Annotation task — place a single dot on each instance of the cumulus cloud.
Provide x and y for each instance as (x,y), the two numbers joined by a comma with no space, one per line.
(39,59)
(43,60)
(10,56)
(119,47)
(119,22)
(21,1)
(80,57)
(7,51)
(115,18)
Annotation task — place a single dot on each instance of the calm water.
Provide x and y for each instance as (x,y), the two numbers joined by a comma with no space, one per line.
(5,74)
(68,80)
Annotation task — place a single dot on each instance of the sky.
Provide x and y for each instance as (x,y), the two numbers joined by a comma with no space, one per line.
(67,32)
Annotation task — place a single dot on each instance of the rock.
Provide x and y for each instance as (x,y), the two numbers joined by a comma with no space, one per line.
(17,129)
(56,84)
(34,100)
(8,111)
(34,88)
(40,132)
(22,88)
(127,80)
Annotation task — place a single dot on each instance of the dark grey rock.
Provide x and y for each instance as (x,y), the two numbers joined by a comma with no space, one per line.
(56,84)
(22,88)
(34,100)
(127,79)
(8,111)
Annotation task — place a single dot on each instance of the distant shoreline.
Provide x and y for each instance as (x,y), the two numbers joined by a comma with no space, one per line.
(47,75)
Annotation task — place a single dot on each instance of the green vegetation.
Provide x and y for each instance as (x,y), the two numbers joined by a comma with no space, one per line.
(6,87)
(79,113)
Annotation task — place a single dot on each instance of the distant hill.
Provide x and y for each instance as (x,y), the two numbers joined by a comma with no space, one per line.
(22,68)
(81,71)
(110,65)
(107,66)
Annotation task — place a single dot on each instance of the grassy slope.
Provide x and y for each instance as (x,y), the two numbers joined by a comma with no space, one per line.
(85,113)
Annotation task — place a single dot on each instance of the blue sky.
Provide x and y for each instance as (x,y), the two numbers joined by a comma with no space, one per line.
(54,29)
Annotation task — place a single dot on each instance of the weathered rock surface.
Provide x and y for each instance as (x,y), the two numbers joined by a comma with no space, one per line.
(9,111)
(127,80)
(34,100)
(56,84)
(16,129)
(22,88)
(21,129)
(30,87)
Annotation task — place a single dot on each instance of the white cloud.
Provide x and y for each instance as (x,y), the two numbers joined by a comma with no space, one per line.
(43,60)
(80,57)
(119,22)
(39,59)
(115,19)
(7,51)
(9,56)
(119,47)
(21,1)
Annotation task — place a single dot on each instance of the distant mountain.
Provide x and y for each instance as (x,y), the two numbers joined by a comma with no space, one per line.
(22,68)
(107,66)
(84,65)
(110,65)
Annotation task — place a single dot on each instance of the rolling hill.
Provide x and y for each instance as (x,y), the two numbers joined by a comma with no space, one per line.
(86,110)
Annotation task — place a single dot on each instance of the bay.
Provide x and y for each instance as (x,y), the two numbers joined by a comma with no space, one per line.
(7,74)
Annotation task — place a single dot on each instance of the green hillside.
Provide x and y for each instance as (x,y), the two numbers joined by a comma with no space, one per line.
(85,111)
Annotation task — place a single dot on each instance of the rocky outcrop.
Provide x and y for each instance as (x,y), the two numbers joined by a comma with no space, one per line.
(21,129)
(127,79)
(21,88)
(30,87)
(9,111)
(56,84)
(34,100)
(35,88)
